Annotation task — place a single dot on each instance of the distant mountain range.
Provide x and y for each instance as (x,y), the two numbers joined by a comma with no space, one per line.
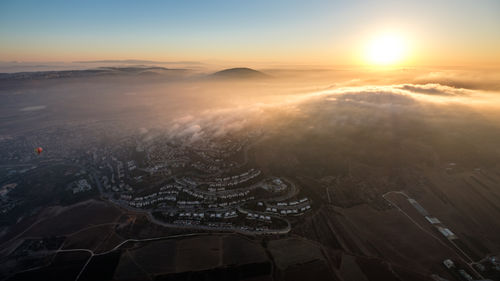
(140,62)
(232,73)
(103,71)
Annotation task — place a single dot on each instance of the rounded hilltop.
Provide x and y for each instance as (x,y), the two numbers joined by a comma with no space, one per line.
(239,73)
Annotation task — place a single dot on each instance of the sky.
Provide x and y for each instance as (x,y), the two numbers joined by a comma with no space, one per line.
(433,32)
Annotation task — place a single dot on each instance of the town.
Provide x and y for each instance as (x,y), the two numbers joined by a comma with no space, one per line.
(206,184)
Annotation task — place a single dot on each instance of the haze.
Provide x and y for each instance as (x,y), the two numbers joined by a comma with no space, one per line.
(259,140)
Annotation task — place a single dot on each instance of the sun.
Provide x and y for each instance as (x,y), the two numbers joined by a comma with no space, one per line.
(387,49)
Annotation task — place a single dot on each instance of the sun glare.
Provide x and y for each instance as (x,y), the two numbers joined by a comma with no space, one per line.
(386,50)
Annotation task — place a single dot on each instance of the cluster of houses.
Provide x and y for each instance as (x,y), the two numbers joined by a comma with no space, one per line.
(186,222)
(131,165)
(214,155)
(186,181)
(201,215)
(258,217)
(155,168)
(194,215)
(174,157)
(143,201)
(195,193)
(228,195)
(234,194)
(117,184)
(276,185)
(232,203)
(210,200)
(220,224)
(292,203)
(184,204)
(258,229)
(170,193)
(119,169)
(234,180)
(81,186)
(122,186)
(295,211)
(179,163)
(297,207)
(205,167)
(205,155)
(225,215)
(195,218)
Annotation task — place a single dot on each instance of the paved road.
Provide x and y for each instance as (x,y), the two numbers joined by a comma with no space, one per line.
(117,247)
(469,263)
(152,219)
(148,212)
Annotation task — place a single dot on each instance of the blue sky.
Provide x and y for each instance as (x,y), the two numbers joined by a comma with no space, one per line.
(240,30)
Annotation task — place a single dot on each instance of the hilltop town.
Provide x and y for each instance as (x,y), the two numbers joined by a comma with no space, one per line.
(208,184)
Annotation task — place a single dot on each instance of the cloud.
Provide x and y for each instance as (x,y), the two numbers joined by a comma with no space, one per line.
(434,89)
(212,123)
(347,103)
(33,108)
(403,94)
(479,79)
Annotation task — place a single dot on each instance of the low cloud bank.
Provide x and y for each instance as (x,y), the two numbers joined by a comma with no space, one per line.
(378,99)
(479,79)
(33,108)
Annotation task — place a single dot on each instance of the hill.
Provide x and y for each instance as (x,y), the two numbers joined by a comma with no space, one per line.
(239,73)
